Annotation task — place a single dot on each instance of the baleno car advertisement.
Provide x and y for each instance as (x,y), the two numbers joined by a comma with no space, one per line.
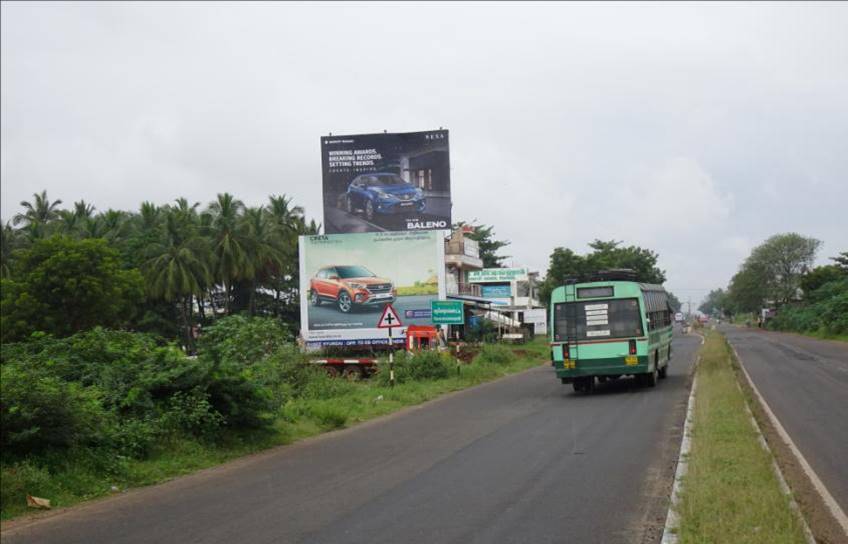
(386,182)
(347,279)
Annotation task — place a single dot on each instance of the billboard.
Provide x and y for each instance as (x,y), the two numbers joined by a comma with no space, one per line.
(386,182)
(346,280)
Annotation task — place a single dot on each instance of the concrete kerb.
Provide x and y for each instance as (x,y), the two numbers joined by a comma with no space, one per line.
(672,520)
(819,486)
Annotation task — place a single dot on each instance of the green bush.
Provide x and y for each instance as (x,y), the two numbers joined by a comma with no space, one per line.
(825,311)
(122,391)
(39,411)
(243,340)
(327,415)
(422,365)
(496,354)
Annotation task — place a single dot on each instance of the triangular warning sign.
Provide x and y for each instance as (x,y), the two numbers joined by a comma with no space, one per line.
(389,318)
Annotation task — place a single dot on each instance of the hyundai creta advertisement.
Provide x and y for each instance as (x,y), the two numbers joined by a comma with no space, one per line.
(346,280)
(386,182)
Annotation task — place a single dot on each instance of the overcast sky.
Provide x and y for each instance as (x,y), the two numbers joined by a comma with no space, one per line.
(694,130)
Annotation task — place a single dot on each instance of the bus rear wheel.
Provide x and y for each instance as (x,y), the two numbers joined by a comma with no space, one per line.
(584,385)
(650,379)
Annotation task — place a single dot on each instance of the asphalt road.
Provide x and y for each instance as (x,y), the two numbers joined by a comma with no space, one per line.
(805,383)
(328,317)
(522,459)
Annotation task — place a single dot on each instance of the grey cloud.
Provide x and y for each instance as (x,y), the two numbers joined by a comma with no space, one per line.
(555,112)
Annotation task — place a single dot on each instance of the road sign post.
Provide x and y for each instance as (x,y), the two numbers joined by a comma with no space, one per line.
(390,320)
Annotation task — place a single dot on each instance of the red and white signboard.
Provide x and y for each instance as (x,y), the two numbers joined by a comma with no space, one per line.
(389,319)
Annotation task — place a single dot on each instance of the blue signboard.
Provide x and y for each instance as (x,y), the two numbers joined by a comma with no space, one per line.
(496,291)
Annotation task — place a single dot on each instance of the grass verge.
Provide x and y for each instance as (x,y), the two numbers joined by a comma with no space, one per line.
(730,492)
(68,480)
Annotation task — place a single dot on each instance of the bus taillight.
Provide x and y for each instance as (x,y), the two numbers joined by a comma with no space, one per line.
(633,347)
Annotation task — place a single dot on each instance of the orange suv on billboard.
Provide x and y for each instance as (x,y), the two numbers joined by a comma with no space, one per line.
(349,287)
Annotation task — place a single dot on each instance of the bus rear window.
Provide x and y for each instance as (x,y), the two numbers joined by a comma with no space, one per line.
(597,320)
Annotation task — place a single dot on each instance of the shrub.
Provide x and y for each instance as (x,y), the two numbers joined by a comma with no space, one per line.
(243,340)
(423,365)
(38,411)
(328,415)
(496,354)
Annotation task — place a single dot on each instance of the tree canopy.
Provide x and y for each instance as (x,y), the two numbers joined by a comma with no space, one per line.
(605,255)
(484,235)
(63,286)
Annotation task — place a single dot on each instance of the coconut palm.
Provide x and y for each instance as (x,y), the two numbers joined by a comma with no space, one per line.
(9,241)
(266,243)
(83,209)
(177,268)
(230,249)
(39,211)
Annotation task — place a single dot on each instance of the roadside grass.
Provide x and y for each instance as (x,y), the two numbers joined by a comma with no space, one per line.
(730,492)
(70,479)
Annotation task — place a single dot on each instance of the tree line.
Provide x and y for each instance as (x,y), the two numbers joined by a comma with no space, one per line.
(161,269)
(779,274)
(605,255)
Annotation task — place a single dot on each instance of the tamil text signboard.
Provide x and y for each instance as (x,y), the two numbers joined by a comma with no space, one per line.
(447,312)
(497,275)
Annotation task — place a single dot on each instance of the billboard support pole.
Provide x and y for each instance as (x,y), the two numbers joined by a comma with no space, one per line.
(391,360)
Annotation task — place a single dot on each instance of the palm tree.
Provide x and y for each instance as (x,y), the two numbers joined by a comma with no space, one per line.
(266,243)
(177,269)
(148,216)
(230,249)
(83,210)
(39,211)
(9,241)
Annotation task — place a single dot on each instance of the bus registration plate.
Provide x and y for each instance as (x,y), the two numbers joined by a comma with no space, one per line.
(631,360)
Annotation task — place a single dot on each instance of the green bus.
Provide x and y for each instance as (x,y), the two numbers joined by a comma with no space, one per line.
(603,330)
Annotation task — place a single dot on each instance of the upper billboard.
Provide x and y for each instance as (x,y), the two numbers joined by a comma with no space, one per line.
(386,182)
(346,280)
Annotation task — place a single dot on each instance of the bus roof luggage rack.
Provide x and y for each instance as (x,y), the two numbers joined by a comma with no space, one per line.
(614,274)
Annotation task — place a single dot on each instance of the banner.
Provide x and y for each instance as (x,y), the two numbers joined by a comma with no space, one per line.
(497,275)
(346,280)
(386,182)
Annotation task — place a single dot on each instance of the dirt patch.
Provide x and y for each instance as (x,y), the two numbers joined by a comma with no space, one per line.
(825,528)
(466,354)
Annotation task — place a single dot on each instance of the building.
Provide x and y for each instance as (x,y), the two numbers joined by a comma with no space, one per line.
(508,296)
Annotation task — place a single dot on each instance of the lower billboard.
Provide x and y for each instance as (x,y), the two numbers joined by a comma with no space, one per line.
(346,280)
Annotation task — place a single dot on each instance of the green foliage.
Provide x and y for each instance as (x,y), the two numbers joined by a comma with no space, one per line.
(674,302)
(819,276)
(783,259)
(120,391)
(565,263)
(484,331)
(715,302)
(827,314)
(422,365)
(63,286)
(494,354)
(243,340)
(484,235)
(39,411)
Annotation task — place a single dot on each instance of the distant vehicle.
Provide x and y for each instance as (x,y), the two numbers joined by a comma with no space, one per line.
(383,193)
(350,287)
(704,319)
(609,329)
(678,317)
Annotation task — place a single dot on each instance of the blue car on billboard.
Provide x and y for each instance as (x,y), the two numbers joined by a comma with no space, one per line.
(383,193)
